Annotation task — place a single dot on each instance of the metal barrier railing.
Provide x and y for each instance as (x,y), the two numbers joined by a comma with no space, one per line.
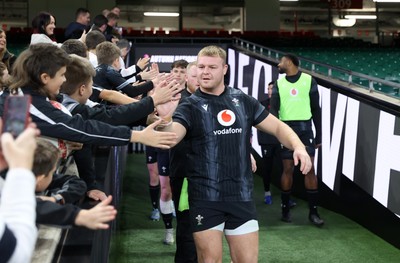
(371,83)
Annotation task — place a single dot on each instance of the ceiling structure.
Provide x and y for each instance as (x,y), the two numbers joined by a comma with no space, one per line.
(304,15)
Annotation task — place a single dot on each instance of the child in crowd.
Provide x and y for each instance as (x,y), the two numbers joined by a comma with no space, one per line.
(94,38)
(78,88)
(73,46)
(109,77)
(57,210)
(125,47)
(40,72)
(51,186)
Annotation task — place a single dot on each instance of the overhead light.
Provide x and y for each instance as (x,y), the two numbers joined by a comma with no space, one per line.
(387,1)
(160,14)
(343,22)
(360,16)
(288,0)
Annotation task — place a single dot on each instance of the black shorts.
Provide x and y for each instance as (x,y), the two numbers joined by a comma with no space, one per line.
(306,135)
(151,154)
(270,150)
(160,156)
(205,215)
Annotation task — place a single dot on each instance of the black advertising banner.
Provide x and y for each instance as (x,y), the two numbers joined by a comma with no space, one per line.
(359,141)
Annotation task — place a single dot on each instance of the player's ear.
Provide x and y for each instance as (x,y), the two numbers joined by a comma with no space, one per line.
(225,68)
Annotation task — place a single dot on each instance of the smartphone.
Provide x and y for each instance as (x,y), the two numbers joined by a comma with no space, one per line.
(16,114)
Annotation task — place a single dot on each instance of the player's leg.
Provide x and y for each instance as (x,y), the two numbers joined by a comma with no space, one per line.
(286,183)
(310,179)
(244,247)
(267,159)
(154,182)
(166,204)
(208,245)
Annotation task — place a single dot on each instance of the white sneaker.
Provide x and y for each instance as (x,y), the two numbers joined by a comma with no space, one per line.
(155,215)
(169,237)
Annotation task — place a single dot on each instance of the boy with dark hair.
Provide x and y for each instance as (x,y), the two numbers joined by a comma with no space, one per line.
(111,33)
(100,23)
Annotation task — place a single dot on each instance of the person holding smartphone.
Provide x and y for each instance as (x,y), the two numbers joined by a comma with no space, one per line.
(18,232)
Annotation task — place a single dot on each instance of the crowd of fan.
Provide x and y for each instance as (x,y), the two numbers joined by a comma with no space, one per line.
(74,88)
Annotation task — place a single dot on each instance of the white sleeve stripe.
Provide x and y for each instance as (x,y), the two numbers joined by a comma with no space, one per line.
(123,85)
(34,111)
(97,88)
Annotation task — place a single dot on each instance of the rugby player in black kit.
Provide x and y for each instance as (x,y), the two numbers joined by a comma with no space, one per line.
(217,122)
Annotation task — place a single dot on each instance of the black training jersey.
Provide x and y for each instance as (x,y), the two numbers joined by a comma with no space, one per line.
(218,129)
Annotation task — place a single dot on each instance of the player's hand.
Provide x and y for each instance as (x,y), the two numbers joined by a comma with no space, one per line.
(301,156)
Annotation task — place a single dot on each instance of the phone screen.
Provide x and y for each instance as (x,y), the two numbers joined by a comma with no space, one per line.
(16,114)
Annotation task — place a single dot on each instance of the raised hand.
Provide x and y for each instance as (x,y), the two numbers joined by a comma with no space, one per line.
(148,74)
(155,66)
(142,63)
(165,92)
(83,36)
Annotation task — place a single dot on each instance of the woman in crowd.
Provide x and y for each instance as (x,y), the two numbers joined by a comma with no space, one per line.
(43,26)
(6,56)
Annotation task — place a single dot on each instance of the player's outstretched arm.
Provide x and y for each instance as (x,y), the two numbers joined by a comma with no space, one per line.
(149,136)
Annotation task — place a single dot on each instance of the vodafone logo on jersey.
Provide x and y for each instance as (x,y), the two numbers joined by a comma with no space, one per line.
(226,117)
(294,92)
